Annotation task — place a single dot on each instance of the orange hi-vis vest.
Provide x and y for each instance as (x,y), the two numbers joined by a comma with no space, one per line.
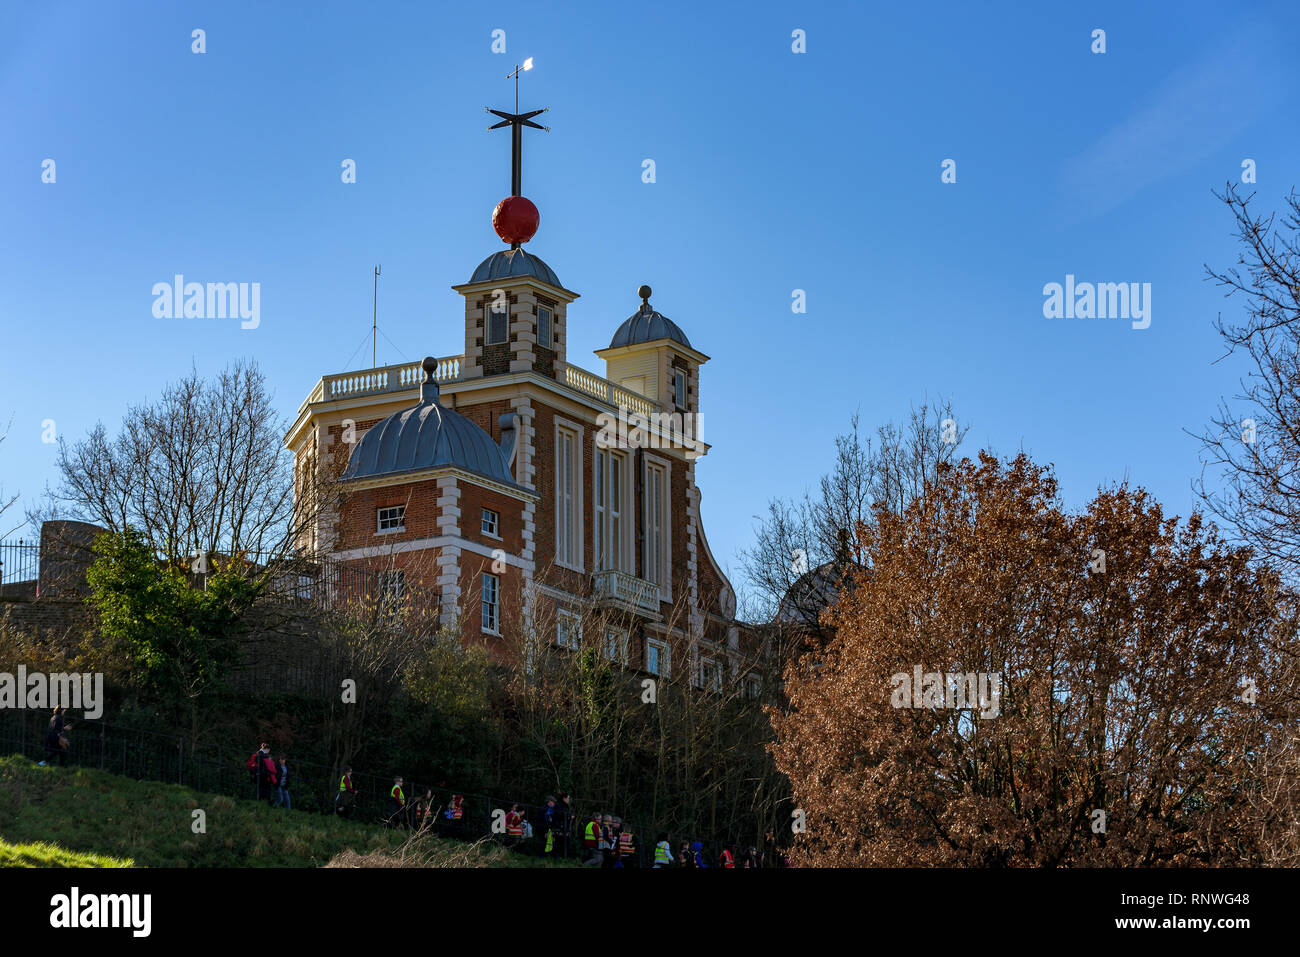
(457,810)
(625,846)
(515,825)
(727,859)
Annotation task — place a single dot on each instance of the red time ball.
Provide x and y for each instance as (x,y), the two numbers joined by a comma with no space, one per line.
(516,219)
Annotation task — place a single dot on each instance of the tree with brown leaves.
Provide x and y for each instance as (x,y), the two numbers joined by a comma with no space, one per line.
(1012,685)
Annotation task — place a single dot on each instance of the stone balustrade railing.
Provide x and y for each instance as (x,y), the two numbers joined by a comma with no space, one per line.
(628,590)
(396,378)
(408,375)
(593,385)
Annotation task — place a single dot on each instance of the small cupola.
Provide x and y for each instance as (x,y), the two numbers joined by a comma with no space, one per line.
(651,356)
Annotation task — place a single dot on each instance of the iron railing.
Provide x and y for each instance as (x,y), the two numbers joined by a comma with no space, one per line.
(20,561)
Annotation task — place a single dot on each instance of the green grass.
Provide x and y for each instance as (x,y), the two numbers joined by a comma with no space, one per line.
(50,816)
(51,855)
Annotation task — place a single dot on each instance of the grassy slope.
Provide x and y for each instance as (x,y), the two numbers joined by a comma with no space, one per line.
(149,823)
(51,855)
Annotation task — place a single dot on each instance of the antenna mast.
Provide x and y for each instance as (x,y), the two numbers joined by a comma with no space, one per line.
(374,319)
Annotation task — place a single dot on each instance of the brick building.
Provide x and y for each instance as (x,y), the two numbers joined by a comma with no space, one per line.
(516,492)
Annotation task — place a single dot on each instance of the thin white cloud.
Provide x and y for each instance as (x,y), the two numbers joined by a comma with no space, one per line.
(1195,111)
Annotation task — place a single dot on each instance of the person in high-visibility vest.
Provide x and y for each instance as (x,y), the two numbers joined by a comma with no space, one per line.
(547,824)
(396,802)
(727,859)
(663,851)
(591,840)
(626,848)
(457,809)
(514,826)
(347,795)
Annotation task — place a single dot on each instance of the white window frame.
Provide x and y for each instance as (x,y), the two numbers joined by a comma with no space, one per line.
(568,499)
(705,664)
(609,485)
(380,518)
(679,387)
(656,515)
(567,622)
(490,611)
(620,639)
(549,339)
(599,487)
(665,657)
(503,316)
(490,528)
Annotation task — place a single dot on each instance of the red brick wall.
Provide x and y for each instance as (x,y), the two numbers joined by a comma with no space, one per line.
(510,512)
(358,520)
(504,649)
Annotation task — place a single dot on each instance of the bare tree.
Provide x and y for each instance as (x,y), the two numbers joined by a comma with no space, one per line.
(375,636)
(800,537)
(203,470)
(1256,447)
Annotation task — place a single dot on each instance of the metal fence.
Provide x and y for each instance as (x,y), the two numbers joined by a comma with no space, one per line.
(149,756)
(318,580)
(20,561)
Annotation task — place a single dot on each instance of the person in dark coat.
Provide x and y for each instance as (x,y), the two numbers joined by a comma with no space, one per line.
(56,742)
(562,825)
(282,785)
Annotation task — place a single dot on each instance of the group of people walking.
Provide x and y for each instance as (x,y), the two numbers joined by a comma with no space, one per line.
(607,840)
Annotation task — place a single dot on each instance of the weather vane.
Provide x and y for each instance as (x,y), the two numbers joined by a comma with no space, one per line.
(515,218)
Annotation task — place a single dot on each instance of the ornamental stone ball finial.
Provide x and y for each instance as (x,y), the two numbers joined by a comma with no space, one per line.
(644,293)
(429,387)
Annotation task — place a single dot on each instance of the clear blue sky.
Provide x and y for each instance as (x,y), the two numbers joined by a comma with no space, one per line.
(775,171)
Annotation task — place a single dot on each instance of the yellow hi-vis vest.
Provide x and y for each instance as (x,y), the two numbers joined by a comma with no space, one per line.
(662,854)
(397,795)
(591,833)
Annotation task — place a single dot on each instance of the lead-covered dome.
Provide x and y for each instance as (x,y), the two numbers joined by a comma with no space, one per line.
(427,436)
(514,264)
(647,325)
